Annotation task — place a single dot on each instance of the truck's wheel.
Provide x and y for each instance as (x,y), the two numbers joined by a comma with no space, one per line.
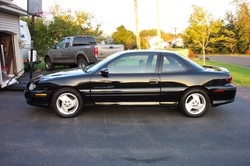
(194,103)
(81,62)
(67,102)
(48,64)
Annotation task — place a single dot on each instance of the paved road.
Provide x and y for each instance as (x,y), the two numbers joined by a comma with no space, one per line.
(239,60)
(124,135)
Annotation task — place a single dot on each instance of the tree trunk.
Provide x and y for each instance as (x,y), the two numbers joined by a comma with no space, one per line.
(204,55)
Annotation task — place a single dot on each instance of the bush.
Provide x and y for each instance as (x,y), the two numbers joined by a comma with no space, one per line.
(248,51)
(191,54)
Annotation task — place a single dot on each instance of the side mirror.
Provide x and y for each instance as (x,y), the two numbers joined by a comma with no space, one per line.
(53,47)
(104,72)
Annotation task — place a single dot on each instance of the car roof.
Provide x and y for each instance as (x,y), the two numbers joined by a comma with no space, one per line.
(148,50)
(188,62)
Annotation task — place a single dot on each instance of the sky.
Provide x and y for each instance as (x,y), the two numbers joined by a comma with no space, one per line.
(113,13)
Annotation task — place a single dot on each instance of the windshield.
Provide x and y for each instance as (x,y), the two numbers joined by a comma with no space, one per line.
(93,68)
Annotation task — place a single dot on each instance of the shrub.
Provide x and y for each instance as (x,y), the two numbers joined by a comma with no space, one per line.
(191,54)
(248,51)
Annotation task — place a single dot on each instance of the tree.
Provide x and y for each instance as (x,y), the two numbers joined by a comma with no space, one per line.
(124,36)
(243,23)
(230,33)
(216,38)
(41,38)
(200,28)
(64,23)
(67,23)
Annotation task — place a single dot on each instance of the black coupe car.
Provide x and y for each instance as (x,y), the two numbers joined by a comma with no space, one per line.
(138,77)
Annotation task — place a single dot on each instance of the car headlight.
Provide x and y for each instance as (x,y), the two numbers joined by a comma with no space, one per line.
(32,86)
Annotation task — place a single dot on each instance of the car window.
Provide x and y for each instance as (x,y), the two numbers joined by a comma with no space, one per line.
(133,63)
(170,64)
(60,44)
(67,44)
(83,40)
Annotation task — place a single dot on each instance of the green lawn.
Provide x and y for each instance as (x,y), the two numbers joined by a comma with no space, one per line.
(41,66)
(241,74)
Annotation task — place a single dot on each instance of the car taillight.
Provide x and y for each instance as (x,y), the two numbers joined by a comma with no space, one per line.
(229,79)
(96,51)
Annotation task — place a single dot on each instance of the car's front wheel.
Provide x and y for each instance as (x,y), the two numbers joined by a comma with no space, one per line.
(67,102)
(194,103)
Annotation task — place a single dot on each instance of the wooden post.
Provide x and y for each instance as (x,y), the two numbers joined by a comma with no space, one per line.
(138,40)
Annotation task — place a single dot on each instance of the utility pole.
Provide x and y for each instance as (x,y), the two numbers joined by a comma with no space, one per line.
(138,40)
(158,24)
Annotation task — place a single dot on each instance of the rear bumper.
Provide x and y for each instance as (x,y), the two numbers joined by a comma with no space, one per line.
(222,95)
(221,102)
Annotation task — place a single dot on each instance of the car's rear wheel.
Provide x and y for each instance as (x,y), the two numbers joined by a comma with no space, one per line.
(81,62)
(67,102)
(194,103)
(48,64)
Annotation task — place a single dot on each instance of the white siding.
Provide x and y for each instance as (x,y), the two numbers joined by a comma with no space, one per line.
(10,24)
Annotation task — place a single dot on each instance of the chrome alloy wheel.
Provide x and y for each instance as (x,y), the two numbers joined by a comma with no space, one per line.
(67,103)
(195,103)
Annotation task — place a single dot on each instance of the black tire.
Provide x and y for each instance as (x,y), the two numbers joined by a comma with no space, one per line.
(49,66)
(67,102)
(81,62)
(194,102)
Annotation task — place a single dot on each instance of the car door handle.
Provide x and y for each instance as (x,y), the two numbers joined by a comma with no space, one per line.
(153,81)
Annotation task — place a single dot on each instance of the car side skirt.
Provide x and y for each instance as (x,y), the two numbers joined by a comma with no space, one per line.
(217,103)
(136,103)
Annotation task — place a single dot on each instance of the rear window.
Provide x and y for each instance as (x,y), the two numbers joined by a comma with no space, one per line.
(170,64)
(83,40)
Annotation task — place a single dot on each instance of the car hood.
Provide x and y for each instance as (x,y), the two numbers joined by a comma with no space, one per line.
(63,74)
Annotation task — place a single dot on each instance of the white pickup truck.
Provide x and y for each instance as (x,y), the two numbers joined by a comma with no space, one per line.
(105,50)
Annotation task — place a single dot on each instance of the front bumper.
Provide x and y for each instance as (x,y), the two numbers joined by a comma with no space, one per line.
(38,98)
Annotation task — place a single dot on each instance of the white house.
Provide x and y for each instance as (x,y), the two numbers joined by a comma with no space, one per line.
(153,43)
(178,42)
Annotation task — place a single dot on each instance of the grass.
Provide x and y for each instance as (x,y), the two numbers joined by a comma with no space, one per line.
(41,66)
(241,74)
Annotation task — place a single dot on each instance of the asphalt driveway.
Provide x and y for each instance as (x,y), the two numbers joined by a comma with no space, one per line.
(124,135)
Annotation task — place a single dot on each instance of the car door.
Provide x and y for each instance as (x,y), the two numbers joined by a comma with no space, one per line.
(65,50)
(174,78)
(66,55)
(57,53)
(61,54)
(130,78)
